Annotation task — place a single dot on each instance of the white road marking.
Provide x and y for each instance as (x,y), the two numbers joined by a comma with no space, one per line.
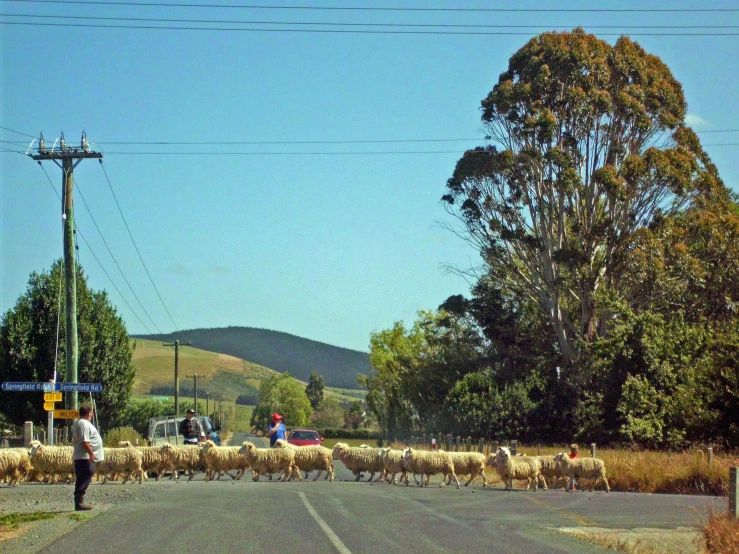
(335,540)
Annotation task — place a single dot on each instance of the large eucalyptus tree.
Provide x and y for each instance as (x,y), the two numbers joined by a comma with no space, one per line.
(588,144)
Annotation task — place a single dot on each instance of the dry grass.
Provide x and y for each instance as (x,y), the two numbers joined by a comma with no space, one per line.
(652,472)
(721,534)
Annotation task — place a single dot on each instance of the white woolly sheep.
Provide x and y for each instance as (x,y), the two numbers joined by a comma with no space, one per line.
(14,465)
(52,460)
(515,467)
(269,460)
(427,464)
(359,459)
(222,459)
(550,472)
(126,461)
(589,468)
(469,463)
(310,458)
(393,463)
(186,458)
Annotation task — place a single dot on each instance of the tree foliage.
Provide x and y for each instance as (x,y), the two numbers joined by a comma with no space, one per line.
(284,395)
(607,308)
(314,390)
(590,146)
(28,339)
(329,415)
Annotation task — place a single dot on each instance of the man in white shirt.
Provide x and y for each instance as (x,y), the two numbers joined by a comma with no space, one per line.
(88,449)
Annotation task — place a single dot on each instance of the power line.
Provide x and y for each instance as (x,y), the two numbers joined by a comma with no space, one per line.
(338,31)
(96,258)
(378,8)
(344,24)
(17,132)
(136,247)
(303,142)
(114,258)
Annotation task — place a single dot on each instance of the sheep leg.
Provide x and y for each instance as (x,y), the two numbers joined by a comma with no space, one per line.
(457,480)
(317,475)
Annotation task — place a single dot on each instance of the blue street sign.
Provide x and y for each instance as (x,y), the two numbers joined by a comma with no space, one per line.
(52,387)
(28,387)
(79,387)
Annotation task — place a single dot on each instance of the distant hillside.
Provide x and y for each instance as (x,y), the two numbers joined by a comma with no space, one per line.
(279,351)
(218,374)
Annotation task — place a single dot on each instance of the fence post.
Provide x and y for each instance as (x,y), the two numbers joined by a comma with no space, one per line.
(538,449)
(439,440)
(592,450)
(449,441)
(710,455)
(481,446)
(27,433)
(458,441)
(469,444)
(733,492)
(514,448)
(424,442)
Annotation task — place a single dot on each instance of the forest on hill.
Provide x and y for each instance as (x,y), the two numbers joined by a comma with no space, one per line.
(282,352)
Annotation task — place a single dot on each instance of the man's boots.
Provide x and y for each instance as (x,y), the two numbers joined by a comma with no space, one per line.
(78,503)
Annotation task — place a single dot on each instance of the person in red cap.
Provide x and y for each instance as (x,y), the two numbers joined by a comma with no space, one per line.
(276,429)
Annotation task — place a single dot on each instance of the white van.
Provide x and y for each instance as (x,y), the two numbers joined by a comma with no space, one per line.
(163,430)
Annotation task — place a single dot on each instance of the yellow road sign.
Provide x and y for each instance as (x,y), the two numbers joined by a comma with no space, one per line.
(52,397)
(66,414)
(48,406)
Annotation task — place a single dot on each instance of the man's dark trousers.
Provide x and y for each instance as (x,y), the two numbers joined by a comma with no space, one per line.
(84,470)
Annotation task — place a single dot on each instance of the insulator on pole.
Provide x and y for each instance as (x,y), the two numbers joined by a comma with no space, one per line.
(41,146)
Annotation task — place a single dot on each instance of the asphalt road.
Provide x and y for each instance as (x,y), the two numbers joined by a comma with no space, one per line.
(306,517)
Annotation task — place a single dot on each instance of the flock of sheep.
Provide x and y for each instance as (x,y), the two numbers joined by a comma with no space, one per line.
(47,463)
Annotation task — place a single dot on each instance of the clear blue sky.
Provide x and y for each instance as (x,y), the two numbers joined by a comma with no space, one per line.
(328,247)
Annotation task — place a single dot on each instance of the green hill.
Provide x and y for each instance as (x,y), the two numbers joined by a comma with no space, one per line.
(281,352)
(220,374)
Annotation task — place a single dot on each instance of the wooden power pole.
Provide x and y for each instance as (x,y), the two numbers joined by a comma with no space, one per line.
(176,345)
(68,158)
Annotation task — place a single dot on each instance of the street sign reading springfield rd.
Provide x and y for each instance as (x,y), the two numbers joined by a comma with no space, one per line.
(51,387)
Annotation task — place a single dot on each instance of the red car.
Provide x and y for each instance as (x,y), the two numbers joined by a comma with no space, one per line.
(304,437)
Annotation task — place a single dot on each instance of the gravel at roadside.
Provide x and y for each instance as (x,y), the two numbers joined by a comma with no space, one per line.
(57,499)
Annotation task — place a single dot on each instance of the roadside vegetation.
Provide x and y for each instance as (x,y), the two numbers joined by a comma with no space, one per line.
(721,534)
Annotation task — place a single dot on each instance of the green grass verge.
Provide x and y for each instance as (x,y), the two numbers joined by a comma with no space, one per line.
(11,521)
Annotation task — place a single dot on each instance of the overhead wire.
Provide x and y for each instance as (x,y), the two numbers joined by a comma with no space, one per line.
(97,259)
(87,207)
(110,186)
(354,24)
(338,31)
(375,8)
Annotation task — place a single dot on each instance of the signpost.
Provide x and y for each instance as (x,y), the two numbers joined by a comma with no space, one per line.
(53,393)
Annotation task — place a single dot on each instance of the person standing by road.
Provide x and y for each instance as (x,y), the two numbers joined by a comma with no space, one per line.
(88,449)
(276,430)
(190,429)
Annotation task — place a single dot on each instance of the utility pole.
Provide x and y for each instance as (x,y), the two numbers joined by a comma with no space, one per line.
(176,345)
(195,391)
(68,158)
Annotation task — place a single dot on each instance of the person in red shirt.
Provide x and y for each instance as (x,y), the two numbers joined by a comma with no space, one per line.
(574,451)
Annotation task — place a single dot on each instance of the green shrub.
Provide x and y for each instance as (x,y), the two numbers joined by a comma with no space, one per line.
(114,436)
